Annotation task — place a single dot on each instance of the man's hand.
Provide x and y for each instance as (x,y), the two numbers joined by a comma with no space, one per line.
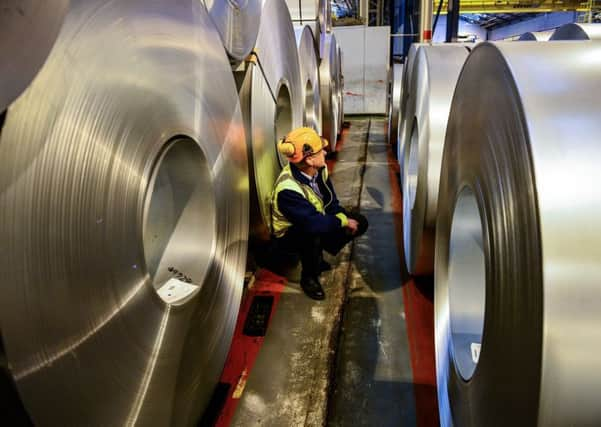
(353,225)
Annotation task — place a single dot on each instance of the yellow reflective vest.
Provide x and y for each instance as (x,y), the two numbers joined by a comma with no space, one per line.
(286,181)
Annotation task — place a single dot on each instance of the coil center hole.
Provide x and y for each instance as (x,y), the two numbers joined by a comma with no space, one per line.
(283,119)
(467,283)
(309,119)
(179,221)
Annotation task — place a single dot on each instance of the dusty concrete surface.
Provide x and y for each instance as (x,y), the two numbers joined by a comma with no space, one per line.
(373,380)
(291,380)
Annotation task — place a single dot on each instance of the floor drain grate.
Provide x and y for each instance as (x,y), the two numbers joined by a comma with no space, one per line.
(258,316)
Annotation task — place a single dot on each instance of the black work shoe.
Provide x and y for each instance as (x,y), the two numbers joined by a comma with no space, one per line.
(312,288)
(324,266)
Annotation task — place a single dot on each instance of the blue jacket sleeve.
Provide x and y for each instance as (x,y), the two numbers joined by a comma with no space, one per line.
(300,212)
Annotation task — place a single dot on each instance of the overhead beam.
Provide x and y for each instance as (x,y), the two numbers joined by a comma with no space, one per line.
(516,6)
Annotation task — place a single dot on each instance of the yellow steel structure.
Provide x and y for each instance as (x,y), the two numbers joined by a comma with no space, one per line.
(517,6)
(593,8)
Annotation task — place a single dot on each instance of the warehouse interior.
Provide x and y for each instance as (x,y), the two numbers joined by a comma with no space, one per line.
(140,153)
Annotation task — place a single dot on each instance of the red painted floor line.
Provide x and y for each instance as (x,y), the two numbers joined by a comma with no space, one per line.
(245,349)
(419,315)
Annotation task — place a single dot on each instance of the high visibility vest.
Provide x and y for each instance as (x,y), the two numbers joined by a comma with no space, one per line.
(286,181)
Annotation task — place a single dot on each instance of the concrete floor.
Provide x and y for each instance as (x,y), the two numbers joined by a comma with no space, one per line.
(374,384)
(345,361)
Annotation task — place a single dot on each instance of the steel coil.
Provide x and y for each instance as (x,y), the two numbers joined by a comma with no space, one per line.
(577,32)
(517,293)
(396,79)
(124,218)
(309,77)
(272,105)
(305,12)
(28,29)
(435,72)
(329,86)
(237,23)
(406,92)
(340,90)
(315,13)
(398,136)
(325,16)
(336,85)
(536,36)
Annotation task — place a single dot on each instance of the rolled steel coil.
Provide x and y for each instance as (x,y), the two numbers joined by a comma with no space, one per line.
(315,13)
(396,79)
(336,83)
(340,91)
(536,36)
(307,12)
(517,293)
(405,95)
(28,29)
(577,32)
(324,16)
(237,23)
(435,73)
(124,218)
(329,87)
(272,103)
(309,77)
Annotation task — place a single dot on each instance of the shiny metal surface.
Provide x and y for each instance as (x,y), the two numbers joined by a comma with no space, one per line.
(531,165)
(315,13)
(466,283)
(396,79)
(309,77)
(325,16)
(28,29)
(340,89)
(238,24)
(272,104)
(435,72)
(307,11)
(329,86)
(122,168)
(575,31)
(536,36)
(405,92)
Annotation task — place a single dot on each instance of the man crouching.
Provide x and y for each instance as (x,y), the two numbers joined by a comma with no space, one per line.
(306,217)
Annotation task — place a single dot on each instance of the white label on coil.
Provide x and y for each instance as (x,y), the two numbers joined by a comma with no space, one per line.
(175,290)
(475,351)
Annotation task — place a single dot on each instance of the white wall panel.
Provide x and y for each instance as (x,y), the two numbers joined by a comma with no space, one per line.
(366,52)
(377,52)
(351,41)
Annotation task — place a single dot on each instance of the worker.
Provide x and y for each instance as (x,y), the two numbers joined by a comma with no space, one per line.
(306,217)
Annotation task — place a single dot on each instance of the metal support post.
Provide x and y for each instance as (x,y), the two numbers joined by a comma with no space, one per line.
(425,21)
(452,20)
(364,10)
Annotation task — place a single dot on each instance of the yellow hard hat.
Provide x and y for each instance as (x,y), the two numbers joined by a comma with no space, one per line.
(300,143)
